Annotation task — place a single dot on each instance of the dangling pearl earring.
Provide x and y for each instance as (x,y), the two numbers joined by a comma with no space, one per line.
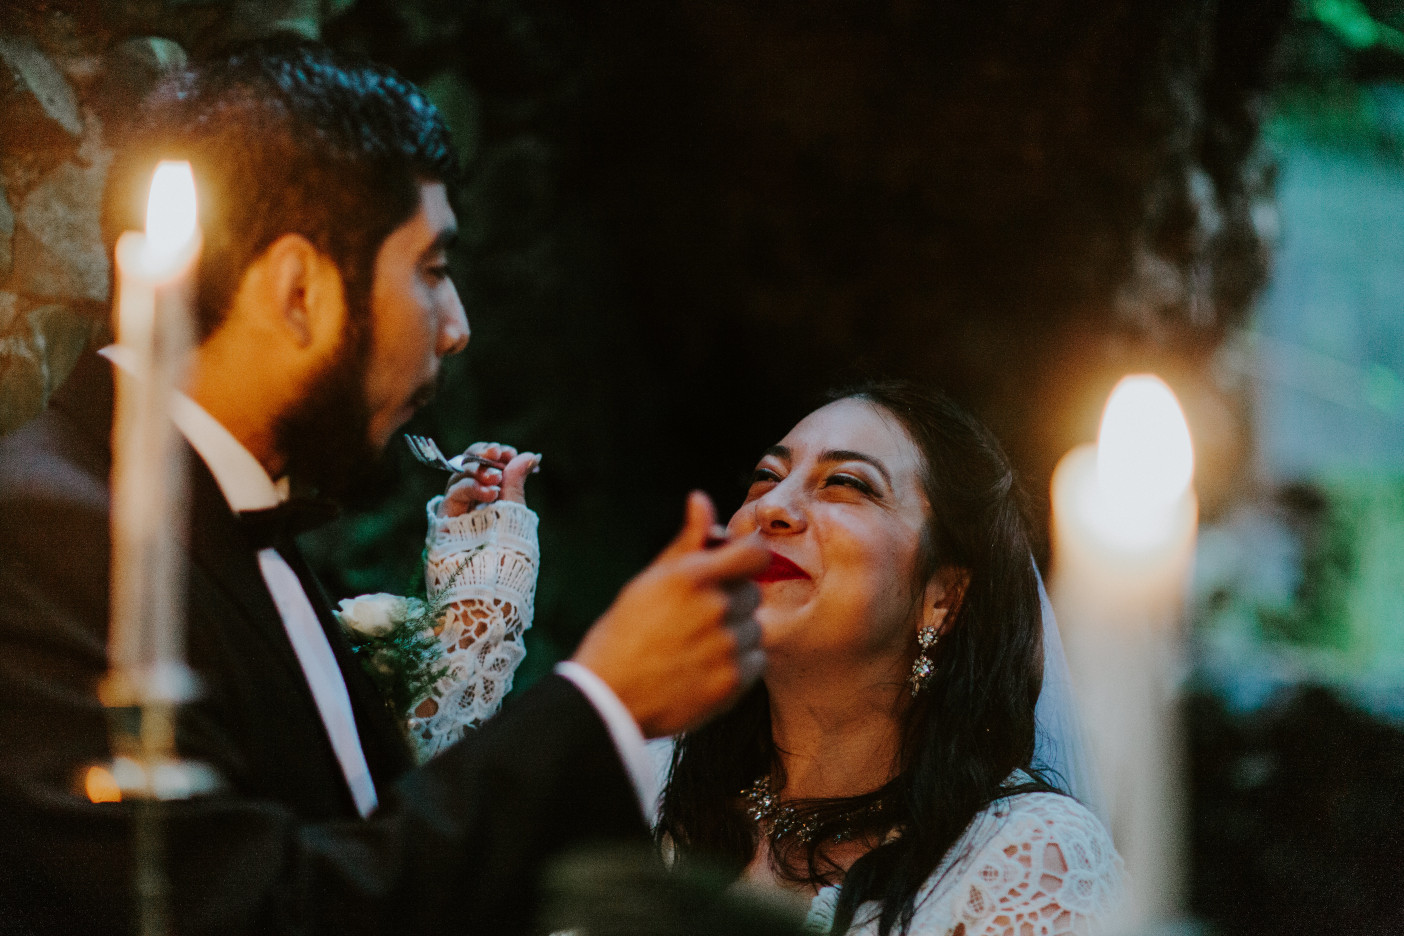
(922,666)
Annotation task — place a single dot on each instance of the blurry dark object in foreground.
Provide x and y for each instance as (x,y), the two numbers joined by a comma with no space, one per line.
(1298,826)
(627,892)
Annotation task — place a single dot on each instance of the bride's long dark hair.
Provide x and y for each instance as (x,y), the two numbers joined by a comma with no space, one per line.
(962,736)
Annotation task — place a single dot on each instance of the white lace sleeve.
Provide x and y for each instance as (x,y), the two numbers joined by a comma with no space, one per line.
(482,565)
(1049,870)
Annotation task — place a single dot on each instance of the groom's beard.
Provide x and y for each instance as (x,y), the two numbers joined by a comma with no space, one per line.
(326,436)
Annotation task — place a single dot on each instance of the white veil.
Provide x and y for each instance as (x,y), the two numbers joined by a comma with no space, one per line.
(1060,746)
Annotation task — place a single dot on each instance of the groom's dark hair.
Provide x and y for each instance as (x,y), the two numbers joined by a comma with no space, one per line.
(285,137)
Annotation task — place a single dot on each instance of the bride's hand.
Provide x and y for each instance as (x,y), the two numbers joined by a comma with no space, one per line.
(483,484)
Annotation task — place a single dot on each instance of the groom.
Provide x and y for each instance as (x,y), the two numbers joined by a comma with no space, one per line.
(325,310)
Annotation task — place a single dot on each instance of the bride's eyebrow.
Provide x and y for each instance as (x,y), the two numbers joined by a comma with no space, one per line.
(843,455)
(781,452)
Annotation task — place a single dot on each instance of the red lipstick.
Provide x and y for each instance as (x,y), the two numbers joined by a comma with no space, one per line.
(781,569)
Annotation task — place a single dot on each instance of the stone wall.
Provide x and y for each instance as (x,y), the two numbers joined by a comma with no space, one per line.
(70,72)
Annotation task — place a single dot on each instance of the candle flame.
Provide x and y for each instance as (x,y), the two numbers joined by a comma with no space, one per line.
(101,786)
(170,210)
(1144,453)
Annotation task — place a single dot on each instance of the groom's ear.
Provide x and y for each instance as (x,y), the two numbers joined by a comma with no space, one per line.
(943,597)
(301,294)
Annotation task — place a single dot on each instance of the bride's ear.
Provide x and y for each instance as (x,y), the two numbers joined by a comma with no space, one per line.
(944,593)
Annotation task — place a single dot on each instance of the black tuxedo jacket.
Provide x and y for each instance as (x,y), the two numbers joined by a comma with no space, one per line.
(456,845)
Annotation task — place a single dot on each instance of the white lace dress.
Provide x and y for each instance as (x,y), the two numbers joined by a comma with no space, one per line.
(482,565)
(1033,864)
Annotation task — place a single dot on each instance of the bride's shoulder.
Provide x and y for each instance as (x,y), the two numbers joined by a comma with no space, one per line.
(1042,860)
(1056,845)
(1028,819)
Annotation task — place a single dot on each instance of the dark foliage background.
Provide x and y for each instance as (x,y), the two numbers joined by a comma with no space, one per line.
(684,220)
(1296,825)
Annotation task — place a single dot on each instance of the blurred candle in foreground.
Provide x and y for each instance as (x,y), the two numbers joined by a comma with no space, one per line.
(154,274)
(1124,524)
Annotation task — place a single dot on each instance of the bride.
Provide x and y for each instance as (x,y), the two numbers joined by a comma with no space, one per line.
(884,767)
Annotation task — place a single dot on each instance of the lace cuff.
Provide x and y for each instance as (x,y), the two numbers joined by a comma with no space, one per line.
(481,567)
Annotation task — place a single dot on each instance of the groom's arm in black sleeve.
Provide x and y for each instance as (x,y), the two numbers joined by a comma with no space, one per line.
(458,842)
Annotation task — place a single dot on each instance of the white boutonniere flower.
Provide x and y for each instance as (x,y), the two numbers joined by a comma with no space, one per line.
(396,641)
(379,614)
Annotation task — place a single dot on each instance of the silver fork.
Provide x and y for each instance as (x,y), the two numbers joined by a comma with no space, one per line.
(426,451)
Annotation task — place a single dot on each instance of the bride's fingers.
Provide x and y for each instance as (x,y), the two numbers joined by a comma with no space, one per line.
(481,483)
(485,476)
(465,494)
(515,474)
(495,451)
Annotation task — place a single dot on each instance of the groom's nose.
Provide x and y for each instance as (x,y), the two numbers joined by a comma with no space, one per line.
(453,323)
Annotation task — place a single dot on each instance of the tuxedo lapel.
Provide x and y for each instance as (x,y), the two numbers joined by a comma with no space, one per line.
(382,741)
(219,549)
(222,548)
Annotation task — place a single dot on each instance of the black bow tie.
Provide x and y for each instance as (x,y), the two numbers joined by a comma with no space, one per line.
(274,526)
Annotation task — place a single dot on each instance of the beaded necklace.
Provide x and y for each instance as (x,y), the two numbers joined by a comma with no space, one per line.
(784,820)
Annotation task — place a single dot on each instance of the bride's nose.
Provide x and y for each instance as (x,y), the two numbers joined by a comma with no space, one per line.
(776,512)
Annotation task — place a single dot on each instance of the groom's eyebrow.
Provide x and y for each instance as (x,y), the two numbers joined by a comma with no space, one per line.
(843,455)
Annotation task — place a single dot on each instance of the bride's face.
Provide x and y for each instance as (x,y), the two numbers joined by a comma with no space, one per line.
(840,505)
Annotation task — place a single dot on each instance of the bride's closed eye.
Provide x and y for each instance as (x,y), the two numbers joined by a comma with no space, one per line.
(850,481)
(763,475)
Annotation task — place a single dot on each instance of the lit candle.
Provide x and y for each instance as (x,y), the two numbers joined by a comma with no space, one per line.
(154,329)
(1124,524)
